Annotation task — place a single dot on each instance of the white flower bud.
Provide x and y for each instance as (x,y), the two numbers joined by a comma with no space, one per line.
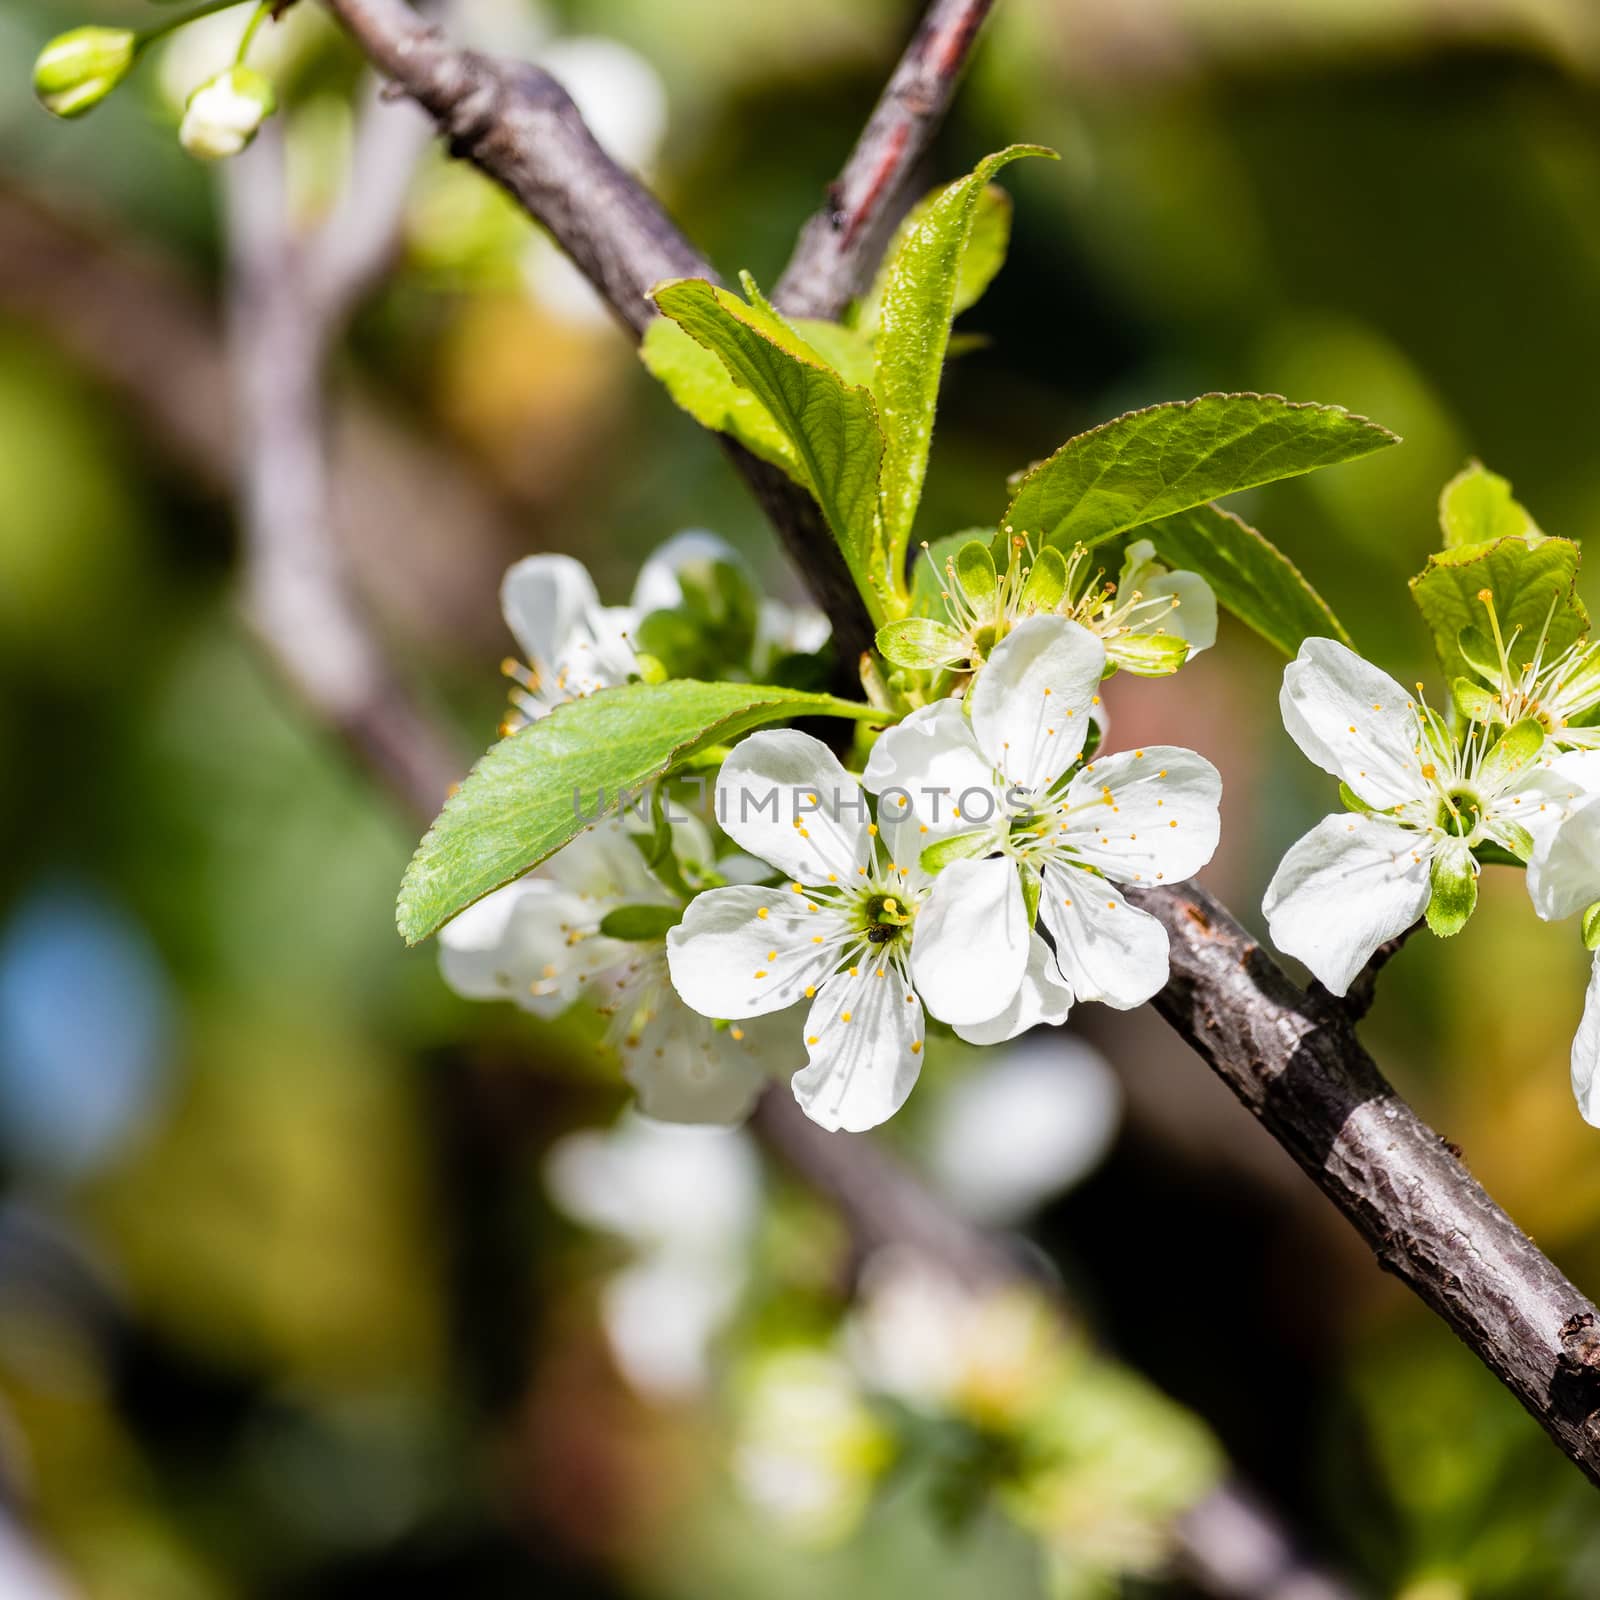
(223,114)
(79,68)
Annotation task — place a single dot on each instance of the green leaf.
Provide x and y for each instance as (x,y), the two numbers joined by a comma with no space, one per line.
(536,790)
(1164,459)
(1250,576)
(1454,879)
(920,643)
(1476,507)
(1529,584)
(919,296)
(831,425)
(847,351)
(641,923)
(699,383)
(983,257)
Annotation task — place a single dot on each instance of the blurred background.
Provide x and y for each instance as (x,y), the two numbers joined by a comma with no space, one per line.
(317,1280)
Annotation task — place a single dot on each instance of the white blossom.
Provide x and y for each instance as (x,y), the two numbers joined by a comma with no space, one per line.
(845,932)
(538,942)
(1428,801)
(999,788)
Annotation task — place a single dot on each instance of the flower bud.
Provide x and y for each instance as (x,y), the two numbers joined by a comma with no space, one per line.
(79,68)
(223,114)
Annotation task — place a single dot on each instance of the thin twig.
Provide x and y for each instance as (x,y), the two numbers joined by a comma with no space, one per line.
(840,245)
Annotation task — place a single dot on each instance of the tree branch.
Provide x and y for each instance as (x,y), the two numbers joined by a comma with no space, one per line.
(839,247)
(1301,1071)
(1296,1064)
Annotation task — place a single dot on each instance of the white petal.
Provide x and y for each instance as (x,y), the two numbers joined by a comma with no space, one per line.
(685,1069)
(531,942)
(864,1037)
(784,797)
(1348,885)
(1106,949)
(969,947)
(604,864)
(783,630)
(1354,721)
(1586,1052)
(1193,618)
(1145,816)
(1564,874)
(547,601)
(695,552)
(923,767)
(728,960)
(1044,998)
(1033,698)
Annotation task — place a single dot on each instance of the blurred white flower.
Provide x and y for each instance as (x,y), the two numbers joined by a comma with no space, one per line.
(687,1200)
(1026,1128)
(809,1450)
(619,94)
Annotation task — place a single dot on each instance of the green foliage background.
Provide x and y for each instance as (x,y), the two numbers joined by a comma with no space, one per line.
(353,1349)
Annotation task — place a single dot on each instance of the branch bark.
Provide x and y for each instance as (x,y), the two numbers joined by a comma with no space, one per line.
(840,245)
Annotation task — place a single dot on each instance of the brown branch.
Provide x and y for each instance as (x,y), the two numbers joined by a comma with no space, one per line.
(1295,1062)
(840,245)
(519,126)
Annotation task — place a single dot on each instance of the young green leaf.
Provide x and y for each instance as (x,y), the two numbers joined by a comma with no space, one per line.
(918,304)
(1476,507)
(1167,458)
(831,425)
(980,261)
(1532,587)
(1250,576)
(541,787)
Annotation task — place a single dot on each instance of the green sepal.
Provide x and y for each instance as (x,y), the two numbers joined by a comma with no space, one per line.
(975,572)
(1511,752)
(1454,880)
(1046,582)
(1352,801)
(920,643)
(640,924)
(959,847)
(1474,701)
(1591,927)
(1148,655)
(1032,888)
(1515,840)
(1490,854)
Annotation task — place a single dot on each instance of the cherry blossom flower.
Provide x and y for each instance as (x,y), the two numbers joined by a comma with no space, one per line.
(1011,814)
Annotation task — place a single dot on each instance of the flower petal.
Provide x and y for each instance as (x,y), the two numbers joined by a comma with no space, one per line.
(784,797)
(684,1069)
(694,551)
(1348,885)
(1044,999)
(1354,721)
(547,600)
(922,767)
(1586,1052)
(1564,873)
(1106,949)
(1032,701)
(864,1037)
(1145,815)
(531,942)
(742,952)
(969,948)
(1194,618)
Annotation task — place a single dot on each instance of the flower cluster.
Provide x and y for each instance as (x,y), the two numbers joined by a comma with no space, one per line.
(1430,799)
(971,869)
